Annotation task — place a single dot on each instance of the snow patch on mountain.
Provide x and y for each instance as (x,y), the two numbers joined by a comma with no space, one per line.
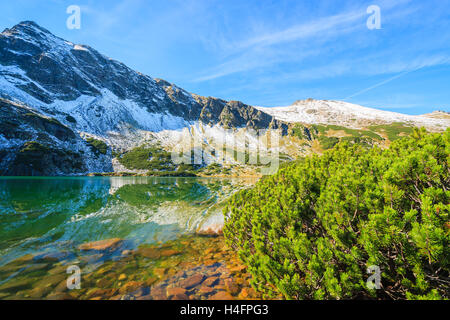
(79,47)
(347,114)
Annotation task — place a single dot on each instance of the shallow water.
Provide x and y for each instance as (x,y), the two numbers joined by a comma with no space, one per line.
(44,223)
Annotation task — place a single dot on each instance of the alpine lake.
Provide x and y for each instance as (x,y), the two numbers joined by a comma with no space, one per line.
(120,238)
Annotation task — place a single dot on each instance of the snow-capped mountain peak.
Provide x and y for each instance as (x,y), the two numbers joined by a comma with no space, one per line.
(342,113)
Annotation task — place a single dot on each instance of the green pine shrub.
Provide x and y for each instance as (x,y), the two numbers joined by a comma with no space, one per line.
(312,230)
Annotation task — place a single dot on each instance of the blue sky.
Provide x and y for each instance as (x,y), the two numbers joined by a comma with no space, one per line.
(269,53)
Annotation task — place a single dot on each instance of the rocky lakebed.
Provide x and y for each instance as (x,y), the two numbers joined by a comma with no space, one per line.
(128,237)
(190,268)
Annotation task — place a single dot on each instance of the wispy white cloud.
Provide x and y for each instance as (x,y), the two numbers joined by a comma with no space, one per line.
(264,50)
(329,35)
(415,66)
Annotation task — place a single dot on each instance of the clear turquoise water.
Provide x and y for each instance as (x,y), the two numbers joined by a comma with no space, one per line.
(51,215)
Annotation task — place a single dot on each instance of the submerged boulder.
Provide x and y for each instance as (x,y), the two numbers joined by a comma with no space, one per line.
(101,245)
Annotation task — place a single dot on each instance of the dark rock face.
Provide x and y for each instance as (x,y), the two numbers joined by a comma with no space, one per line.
(64,71)
(35,159)
(33,145)
(15,117)
(67,71)
(179,99)
(235,114)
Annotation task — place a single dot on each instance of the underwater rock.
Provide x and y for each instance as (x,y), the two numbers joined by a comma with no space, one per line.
(210,281)
(221,295)
(231,286)
(175,291)
(101,244)
(205,290)
(130,286)
(192,281)
(150,253)
(169,252)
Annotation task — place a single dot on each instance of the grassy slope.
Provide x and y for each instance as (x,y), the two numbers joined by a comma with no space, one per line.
(300,141)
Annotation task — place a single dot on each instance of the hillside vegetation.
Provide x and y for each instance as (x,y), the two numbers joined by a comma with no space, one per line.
(312,230)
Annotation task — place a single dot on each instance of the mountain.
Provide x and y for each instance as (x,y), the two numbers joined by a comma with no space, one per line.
(438,115)
(91,95)
(68,109)
(350,115)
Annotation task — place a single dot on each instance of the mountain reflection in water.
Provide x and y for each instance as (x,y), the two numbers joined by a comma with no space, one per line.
(58,214)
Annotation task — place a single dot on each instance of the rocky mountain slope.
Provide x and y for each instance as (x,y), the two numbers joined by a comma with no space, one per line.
(350,115)
(68,109)
(92,96)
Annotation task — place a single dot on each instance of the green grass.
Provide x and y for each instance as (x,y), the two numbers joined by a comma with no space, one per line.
(97,146)
(298,131)
(147,158)
(352,132)
(328,142)
(364,137)
(33,146)
(394,130)
(213,168)
(51,120)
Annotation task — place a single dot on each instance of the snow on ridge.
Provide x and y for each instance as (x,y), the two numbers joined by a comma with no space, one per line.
(105,114)
(347,114)
(80,47)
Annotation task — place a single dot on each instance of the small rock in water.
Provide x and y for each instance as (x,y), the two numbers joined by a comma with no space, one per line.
(206,290)
(231,286)
(160,272)
(123,276)
(39,292)
(238,269)
(180,296)
(101,245)
(221,295)
(175,291)
(51,281)
(150,253)
(169,252)
(210,281)
(37,266)
(210,250)
(192,281)
(97,292)
(130,286)
(105,282)
(158,294)
(150,281)
(53,256)
(143,291)
(60,296)
(246,293)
